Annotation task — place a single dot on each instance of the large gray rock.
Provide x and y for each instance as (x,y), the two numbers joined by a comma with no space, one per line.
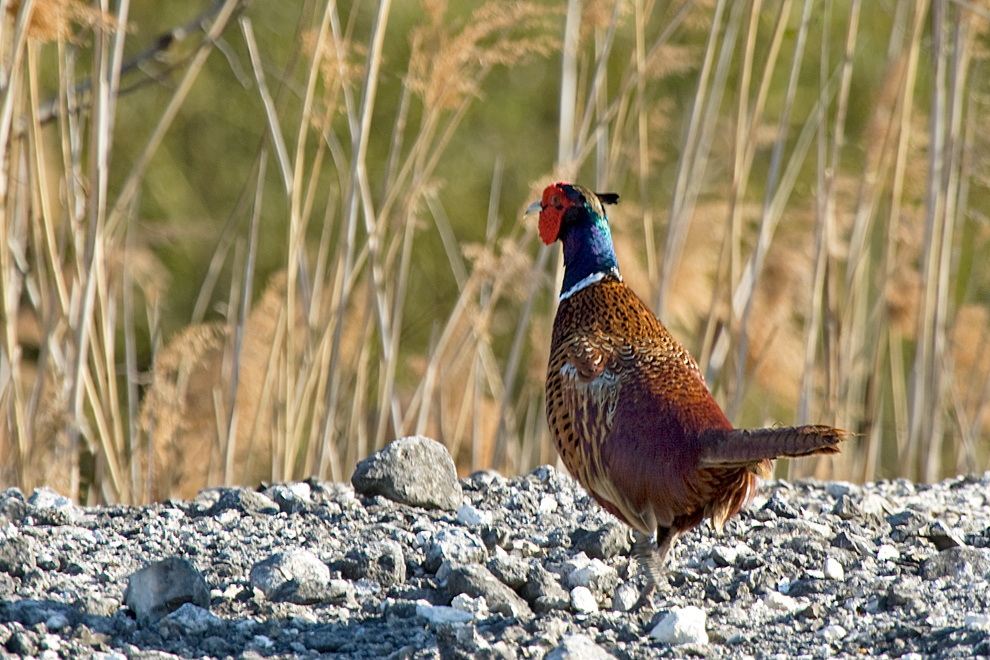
(543,591)
(476,580)
(416,471)
(17,557)
(295,576)
(380,561)
(163,587)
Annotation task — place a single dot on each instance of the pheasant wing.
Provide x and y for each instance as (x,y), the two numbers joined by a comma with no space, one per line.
(588,391)
(649,457)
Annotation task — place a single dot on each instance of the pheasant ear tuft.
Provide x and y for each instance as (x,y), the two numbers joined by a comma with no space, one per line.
(608,198)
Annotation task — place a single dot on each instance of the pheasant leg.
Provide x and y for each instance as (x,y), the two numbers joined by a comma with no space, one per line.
(652,551)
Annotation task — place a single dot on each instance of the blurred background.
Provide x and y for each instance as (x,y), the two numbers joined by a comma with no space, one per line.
(256,241)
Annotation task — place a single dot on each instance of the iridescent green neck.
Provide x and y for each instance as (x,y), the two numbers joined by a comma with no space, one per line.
(588,252)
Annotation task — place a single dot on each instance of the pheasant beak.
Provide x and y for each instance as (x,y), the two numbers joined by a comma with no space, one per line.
(535,207)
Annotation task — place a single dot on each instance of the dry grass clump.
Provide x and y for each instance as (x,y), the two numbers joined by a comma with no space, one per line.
(448,62)
(185,409)
(54,19)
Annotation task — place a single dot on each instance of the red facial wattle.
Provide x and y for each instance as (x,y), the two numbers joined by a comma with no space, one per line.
(554,203)
(549,224)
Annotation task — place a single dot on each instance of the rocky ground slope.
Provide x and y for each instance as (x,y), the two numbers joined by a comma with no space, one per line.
(409,562)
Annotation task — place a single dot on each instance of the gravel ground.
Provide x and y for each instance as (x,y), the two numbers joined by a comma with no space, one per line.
(408,562)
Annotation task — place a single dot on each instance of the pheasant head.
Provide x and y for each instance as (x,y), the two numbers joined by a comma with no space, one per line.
(575,216)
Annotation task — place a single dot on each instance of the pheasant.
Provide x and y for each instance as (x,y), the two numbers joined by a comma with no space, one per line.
(628,407)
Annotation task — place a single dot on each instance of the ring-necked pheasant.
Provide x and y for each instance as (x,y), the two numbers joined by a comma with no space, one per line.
(627,405)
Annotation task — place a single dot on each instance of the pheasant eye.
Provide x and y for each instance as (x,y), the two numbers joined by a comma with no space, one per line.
(555,200)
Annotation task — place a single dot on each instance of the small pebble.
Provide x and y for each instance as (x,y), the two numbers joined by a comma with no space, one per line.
(578,647)
(887,553)
(477,607)
(583,601)
(547,505)
(833,569)
(595,575)
(443,614)
(626,596)
(775,600)
(468,514)
(832,632)
(682,626)
(979,620)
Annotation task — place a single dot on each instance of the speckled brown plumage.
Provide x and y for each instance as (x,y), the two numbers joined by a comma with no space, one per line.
(627,405)
(624,402)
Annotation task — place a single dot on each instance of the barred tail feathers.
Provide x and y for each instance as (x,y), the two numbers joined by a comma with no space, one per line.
(740,447)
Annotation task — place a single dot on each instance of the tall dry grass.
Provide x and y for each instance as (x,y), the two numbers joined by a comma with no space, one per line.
(805,200)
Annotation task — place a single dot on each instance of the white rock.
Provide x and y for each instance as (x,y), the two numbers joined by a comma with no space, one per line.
(301,489)
(976,620)
(626,596)
(56,621)
(295,565)
(47,498)
(547,505)
(456,545)
(832,633)
(596,575)
(575,563)
(875,505)
(365,587)
(778,601)
(682,626)
(818,528)
(441,614)
(583,601)
(833,569)
(524,548)
(468,514)
(722,555)
(226,517)
(475,606)
(888,553)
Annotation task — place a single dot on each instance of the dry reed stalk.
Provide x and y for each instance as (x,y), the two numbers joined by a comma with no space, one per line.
(747,122)
(697,142)
(135,176)
(382,265)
